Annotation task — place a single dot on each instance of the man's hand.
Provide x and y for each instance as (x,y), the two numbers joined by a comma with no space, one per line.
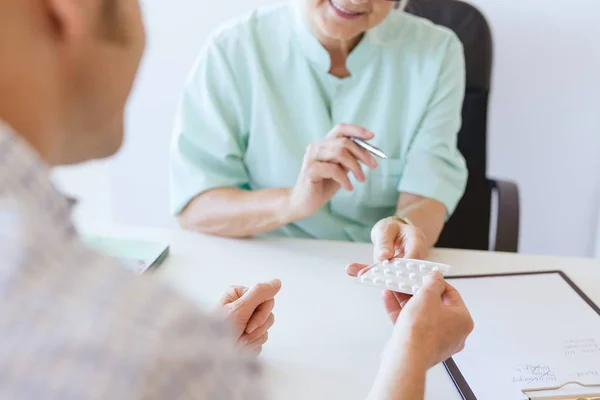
(250,312)
(326,167)
(434,323)
(393,238)
(431,325)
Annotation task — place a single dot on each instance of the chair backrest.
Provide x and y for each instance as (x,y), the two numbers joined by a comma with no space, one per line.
(469,227)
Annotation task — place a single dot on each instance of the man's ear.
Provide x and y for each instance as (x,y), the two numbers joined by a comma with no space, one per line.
(68,19)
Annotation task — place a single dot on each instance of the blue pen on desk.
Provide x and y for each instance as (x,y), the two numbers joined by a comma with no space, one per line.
(371,149)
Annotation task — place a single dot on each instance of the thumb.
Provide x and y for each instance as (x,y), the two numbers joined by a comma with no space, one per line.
(259,293)
(434,284)
(384,238)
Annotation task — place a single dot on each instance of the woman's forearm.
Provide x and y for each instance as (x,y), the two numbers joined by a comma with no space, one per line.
(427,214)
(237,213)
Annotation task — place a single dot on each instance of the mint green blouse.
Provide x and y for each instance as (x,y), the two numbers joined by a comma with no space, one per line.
(260,93)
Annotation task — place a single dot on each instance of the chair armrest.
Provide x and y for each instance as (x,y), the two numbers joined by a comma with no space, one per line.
(507,216)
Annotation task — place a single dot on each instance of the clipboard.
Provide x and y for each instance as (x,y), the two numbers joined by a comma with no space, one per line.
(572,389)
(592,392)
(137,255)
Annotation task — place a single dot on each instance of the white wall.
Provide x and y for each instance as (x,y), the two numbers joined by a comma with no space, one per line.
(91,185)
(176,32)
(545,119)
(597,252)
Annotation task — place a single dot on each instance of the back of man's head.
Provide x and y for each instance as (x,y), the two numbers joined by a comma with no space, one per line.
(66,72)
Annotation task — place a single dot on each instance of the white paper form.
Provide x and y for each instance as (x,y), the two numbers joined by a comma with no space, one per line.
(531,331)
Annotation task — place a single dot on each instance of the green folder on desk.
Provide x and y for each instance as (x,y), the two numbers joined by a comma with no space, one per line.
(138,255)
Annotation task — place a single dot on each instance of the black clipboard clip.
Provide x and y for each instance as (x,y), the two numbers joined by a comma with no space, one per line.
(566,391)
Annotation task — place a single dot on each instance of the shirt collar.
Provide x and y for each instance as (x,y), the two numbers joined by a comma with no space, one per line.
(314,51)
(25,177)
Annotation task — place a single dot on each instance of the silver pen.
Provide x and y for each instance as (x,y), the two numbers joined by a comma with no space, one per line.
(371,149)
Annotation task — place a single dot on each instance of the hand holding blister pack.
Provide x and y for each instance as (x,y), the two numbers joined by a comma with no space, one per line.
(400,274)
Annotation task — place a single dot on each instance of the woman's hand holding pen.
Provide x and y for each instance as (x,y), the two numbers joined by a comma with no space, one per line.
(326,167)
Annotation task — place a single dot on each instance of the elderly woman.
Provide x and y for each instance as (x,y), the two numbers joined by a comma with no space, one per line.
(263,138)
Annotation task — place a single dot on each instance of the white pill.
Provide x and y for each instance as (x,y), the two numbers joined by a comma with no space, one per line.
(390,283)
(436,268)
(411,267)
(404,287)
(387,271)
(374,270)
(398,263)
(365,279)
(415,289)
(386,262)
(424,267)
(412,276)
(377,281)
(400,274)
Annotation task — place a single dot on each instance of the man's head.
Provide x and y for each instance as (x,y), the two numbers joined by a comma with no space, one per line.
(79,58)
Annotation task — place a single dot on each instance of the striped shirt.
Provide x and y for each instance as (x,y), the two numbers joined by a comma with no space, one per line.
(77,325)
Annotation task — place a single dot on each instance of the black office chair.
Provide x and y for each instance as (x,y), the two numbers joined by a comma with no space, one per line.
(469,227)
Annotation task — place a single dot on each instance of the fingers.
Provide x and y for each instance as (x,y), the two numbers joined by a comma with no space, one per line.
(260,342)
(257,344)
(260,316)
(415,243)
(232,294)
(337,152)
(335,156)
(402,298)
(258,294)
(356,269)
(384,235)
(322,170)
(393,238)
(343,152)
(330,151)
(361,154)
(260,331)
(451,298)
(349,130)
(394,302)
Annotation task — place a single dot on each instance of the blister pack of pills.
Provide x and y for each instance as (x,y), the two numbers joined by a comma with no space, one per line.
(401,274)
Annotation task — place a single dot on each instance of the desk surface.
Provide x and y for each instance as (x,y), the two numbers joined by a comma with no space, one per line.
(329,331)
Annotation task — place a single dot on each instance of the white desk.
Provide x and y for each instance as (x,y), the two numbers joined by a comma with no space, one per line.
(329,331)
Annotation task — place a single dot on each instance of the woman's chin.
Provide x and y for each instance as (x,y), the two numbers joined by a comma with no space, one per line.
(341,33)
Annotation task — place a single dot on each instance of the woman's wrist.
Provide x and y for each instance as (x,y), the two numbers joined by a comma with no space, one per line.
(402,219)
(288,211)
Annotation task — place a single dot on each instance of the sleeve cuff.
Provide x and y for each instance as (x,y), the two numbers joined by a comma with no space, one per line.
(183,194)
(435,178)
